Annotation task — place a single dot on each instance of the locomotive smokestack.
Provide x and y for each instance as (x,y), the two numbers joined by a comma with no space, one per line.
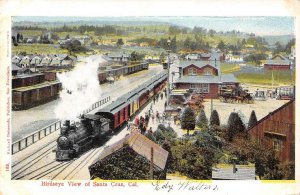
(67,123)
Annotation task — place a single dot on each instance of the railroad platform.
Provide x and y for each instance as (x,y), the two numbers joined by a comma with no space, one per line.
(160,107)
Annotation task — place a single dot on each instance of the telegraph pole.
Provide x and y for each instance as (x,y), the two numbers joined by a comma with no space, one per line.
(151,164)
(168,76)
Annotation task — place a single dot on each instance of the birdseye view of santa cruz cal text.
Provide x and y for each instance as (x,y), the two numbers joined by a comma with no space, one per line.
(152,98)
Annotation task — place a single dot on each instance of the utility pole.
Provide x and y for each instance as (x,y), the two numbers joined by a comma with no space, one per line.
(168,68)
(151,164)
(211,106)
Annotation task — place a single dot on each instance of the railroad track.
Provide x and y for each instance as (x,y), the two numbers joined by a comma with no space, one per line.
(26,163)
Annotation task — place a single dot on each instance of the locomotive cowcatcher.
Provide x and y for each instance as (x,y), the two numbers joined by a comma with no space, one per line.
(77,138)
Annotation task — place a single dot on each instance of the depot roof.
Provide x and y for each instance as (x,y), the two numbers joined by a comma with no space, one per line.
(226,78)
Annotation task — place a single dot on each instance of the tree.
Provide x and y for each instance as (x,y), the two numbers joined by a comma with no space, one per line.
(187,43)
(221,45)
(235,125)
(252,119)
(67,37)
(73,46)
(134,56)
(214,119)
(289,45)
(18,37)
(13,39)
(191,160)
(188,119)
(279,48)
(202,121)
(173,45)
(120,42)
(174,30)
(244,42)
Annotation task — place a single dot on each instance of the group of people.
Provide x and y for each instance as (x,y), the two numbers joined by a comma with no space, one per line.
(142,122)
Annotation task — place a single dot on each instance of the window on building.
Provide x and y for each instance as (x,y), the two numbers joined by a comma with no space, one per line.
(200,88)
(192,71)
(207,72)
(277,144)
(205,88)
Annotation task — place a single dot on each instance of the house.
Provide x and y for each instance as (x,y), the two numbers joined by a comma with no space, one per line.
(46,60)
(67,60)
(119,57)
(277,131)
(56,61)
(82,39)
(278,62)
(35,60)
(192,57)
(234,58)
(25,61)
(204,77)
(130,159)
(16,59)
(205,56)
(233,172)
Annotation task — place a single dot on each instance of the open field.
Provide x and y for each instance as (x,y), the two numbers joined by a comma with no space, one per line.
(229,68)
(38,49)
(265,77)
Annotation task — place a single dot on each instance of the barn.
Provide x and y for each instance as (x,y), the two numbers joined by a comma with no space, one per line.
(203,77)
(277,131)
(278,62)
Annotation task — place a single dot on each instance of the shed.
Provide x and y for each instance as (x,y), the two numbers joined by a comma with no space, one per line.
(130,158)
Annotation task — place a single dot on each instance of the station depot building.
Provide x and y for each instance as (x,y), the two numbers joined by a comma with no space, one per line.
(204,77)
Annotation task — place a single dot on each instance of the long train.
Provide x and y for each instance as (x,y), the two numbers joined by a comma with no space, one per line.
(94,129)
(130,69)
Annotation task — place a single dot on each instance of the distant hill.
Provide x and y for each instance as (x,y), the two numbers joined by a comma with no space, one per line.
(85,22)
(283,39)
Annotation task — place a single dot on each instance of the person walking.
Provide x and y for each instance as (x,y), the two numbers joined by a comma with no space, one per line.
(127,124)
(137,121)
(157,117)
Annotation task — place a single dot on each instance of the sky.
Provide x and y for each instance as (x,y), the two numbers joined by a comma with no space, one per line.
(265,25)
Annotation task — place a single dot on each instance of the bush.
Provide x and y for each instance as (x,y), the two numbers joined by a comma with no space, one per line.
(252,119)
(202,121)
(188,119)
(214,119)
(235,125)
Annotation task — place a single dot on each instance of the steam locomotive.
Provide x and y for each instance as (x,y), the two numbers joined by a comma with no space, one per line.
(94,129)
(77,138)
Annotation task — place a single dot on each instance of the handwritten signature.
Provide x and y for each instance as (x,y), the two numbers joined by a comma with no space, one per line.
(184,186)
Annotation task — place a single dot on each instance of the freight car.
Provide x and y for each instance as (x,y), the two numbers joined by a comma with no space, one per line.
(30,96)
(125,70)
(75,140)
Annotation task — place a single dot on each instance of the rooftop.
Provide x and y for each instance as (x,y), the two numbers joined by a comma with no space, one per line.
(141,145)
(225,172)
(199,63)
(38,86)
(226,78)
